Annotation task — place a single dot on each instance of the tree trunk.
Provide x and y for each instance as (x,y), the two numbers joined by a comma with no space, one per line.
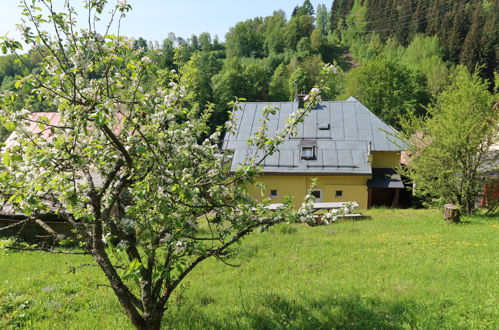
(451,213)
(153,323)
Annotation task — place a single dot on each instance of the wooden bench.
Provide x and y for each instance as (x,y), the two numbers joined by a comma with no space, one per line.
(353,216)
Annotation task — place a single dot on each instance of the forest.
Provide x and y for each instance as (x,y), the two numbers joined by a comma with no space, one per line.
(394,56)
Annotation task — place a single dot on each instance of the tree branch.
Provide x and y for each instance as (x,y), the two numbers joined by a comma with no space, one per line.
(45,250)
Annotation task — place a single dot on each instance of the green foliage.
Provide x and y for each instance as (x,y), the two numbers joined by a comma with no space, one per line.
(133,162)
(196,76)
(305,9)
(243,40)
(355,26)
(450,145)
(467,30)
(425,54)
(278,88)
(304,48)
(297,28)
(272,30)
(388,89)
(322,19)
(167,54)
(299,81)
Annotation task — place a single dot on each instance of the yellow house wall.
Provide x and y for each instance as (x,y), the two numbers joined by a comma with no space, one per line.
(354,188)
(385,159)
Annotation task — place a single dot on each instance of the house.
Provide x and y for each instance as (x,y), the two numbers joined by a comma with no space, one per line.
(39,123)
(350,151)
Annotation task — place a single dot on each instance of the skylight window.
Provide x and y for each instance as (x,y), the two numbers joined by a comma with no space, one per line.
(308,153)
(324,126)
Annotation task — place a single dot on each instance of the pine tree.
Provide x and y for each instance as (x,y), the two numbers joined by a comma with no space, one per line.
(309,9)
(418,23)
(490,40)
(339,11)
(321,19)
(472,47)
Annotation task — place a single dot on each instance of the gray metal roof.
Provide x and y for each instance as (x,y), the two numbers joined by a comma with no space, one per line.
(341,149)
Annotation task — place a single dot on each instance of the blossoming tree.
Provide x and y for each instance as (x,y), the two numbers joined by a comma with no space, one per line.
(140,177)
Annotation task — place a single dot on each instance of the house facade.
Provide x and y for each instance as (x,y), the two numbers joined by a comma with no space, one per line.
(350,151)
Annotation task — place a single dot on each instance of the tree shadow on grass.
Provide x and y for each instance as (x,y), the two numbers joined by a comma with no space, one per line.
(351,312)
(273,311)
(481,217)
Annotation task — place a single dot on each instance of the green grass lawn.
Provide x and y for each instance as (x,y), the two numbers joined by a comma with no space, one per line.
(398,270)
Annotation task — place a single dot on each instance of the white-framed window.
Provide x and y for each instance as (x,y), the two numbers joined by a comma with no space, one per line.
(274,193)
(307,152)
(317,193)
(339,193)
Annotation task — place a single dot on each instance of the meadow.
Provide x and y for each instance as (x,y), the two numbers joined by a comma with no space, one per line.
(402,269)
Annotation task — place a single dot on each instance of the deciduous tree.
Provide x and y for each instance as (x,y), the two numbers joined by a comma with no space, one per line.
(450,145)
(387,88)
(136,173)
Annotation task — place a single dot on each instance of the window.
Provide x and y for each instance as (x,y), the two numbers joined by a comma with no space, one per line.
(308,153)
(273,193)
(324,127)
(339,193)
(317,193)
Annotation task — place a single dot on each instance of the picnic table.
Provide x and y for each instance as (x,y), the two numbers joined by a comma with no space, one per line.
(274,206)
(318,206)
(327,206)
(332,205)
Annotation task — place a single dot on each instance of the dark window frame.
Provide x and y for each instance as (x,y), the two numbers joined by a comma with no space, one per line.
(317,199)
(308,148)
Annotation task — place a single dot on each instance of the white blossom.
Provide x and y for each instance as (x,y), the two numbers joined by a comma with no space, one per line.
(122,4)
(21,28)
(180,246)
(146,60)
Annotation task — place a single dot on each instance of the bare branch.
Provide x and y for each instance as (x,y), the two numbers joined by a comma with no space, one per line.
(45,250)
(14,225)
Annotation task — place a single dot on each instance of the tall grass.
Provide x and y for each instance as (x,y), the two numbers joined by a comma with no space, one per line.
(398,270)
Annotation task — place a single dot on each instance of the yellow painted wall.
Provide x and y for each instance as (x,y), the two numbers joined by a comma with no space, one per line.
(385,159)
(354,188)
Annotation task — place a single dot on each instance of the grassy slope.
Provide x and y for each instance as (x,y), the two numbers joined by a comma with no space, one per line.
(402,269)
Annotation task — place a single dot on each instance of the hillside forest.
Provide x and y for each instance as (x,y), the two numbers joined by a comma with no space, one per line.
(395,56)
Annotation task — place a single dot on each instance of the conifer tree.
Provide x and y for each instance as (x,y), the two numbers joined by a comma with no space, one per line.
(472,51)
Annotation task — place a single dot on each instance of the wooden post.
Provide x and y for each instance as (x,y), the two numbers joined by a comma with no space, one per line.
(369,198)
(451,213)
(395,203)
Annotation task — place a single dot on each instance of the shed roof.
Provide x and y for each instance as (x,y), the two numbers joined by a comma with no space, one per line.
(385,178)
(341,149)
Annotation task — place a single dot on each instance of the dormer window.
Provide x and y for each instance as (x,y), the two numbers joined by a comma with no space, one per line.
(308,153)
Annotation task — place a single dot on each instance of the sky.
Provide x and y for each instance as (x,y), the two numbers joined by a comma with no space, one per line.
(154,19)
